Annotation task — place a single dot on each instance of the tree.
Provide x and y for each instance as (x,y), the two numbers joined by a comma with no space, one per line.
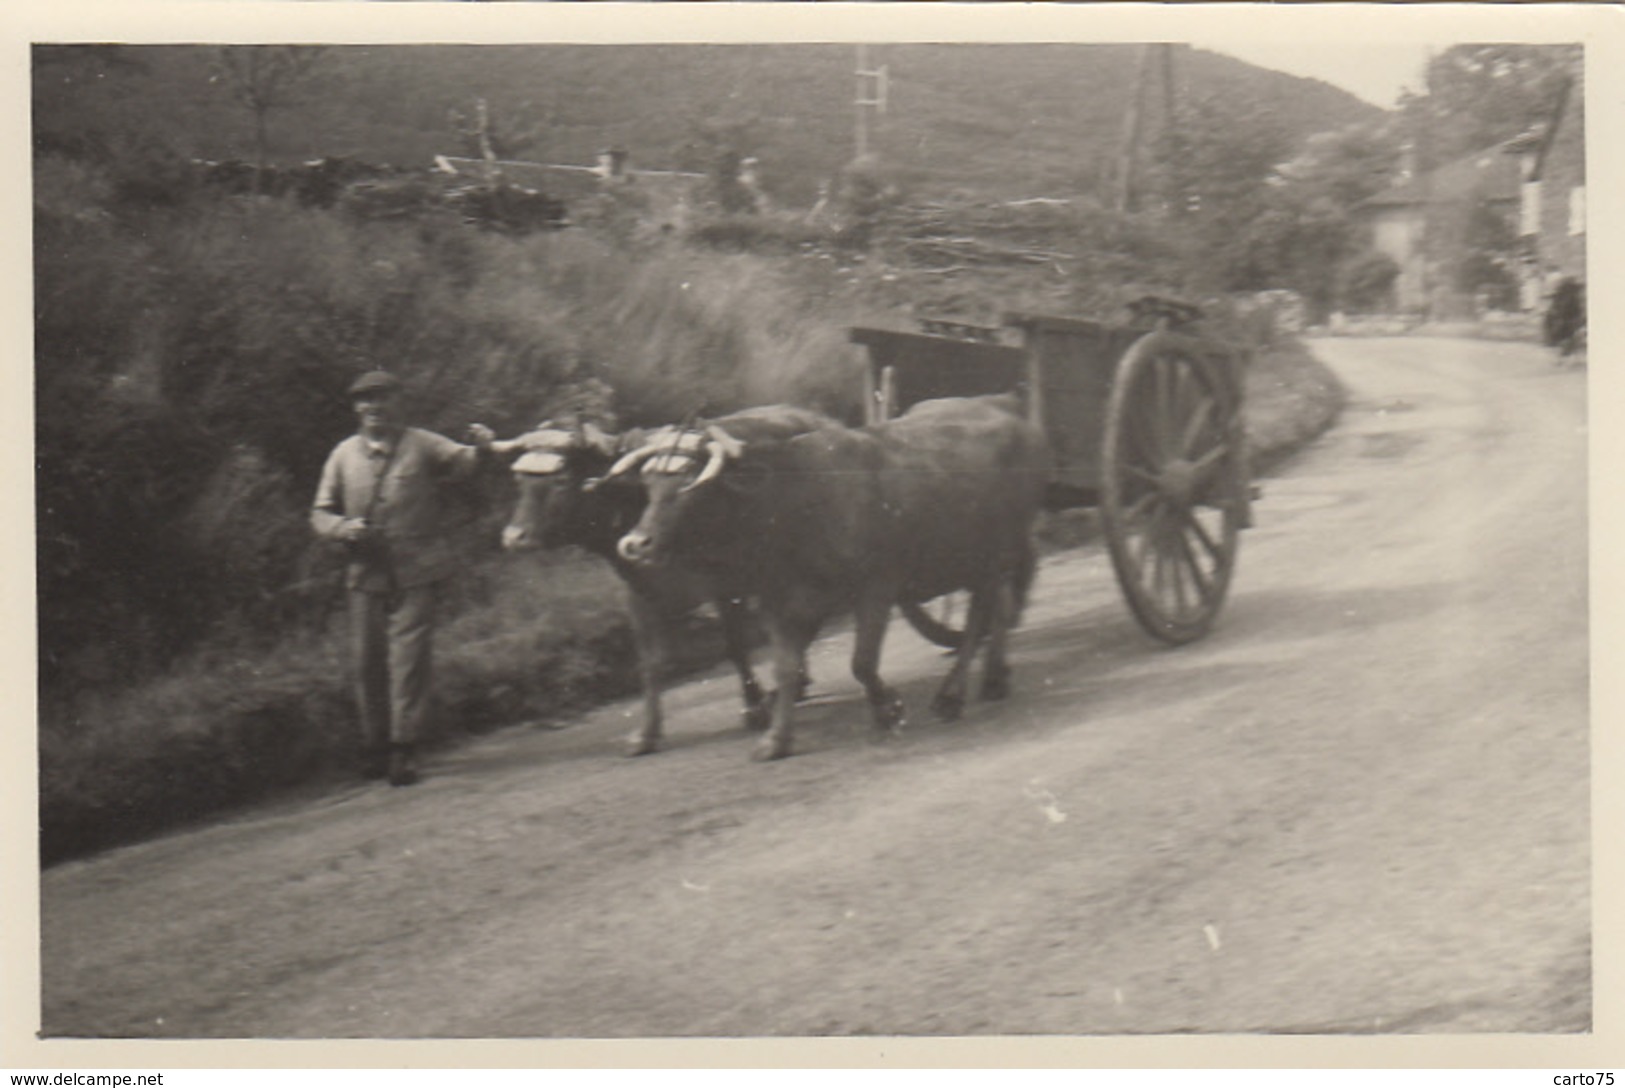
(488,136)
(1349,164)
(1477,248)
(718,148)
(1214,174)
(264,78)
(1259,212)
(1480,95)
(1210,164)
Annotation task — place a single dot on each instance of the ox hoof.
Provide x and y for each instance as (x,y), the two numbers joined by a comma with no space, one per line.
(640,745)
(756,718)
(948,707)
(996,686)
(890,716)
(770,748)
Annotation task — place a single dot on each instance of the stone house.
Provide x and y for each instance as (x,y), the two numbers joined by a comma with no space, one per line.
(1405,218)
(1552,223)
(1532,184)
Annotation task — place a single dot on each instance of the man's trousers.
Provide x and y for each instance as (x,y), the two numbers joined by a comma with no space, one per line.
(392,647)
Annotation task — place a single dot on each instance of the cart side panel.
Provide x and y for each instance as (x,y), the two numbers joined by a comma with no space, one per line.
(1073,364)
(926,367)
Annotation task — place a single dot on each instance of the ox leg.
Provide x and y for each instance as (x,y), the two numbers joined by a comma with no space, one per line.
(996,669)
(804,682)
(949,703)
(648,634)
(757,712)
(870,618)
(791,633)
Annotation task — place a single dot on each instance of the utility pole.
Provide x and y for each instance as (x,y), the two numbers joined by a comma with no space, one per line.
(1128,156)
(871,95)
(1170,94)
(482,114)
(1161,57)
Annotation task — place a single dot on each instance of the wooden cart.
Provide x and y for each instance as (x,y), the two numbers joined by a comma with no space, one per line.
(1145,423)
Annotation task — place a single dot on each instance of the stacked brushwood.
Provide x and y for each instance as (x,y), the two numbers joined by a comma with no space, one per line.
(959,234)
(509,209)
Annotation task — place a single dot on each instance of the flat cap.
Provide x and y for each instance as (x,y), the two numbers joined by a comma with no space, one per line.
(375,381)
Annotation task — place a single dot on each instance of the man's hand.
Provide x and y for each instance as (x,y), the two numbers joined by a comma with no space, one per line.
(352,530)
(481,435)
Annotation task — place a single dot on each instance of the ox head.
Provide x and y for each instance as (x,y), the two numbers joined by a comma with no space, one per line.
(554,466)
(681,468)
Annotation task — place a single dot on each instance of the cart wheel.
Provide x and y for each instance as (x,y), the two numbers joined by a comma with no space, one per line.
(1173,488)
(940,620)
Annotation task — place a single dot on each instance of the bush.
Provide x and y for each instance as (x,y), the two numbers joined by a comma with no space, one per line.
(190,372)
(191,377)
(1365,284)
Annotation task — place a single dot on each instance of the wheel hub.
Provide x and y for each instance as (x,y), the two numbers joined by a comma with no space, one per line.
(1177,481)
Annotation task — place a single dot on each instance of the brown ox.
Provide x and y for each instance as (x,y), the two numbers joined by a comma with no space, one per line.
(564,501)
(941,499)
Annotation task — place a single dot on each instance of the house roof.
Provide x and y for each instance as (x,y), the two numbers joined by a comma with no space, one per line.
(1493,173)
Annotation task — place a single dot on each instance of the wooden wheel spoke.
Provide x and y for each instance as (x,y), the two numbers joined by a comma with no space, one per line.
(1146,538)
(1196,526)
(1184,394)
(1138,443)
(1168,584)
(1147,431)
(1143,474)
(1159,571)
(1136,509)
(1176,573)
(1204,465)
(1195,425)
(1162,405)
(1173,406)
(1204,587)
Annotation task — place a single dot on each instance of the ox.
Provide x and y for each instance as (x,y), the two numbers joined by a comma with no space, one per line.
(563,500)
(941,499)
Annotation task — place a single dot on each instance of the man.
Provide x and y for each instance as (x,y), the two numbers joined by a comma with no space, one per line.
(1565,316)
(382,495)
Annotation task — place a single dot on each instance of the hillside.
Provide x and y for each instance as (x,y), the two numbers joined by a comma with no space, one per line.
(1009,120)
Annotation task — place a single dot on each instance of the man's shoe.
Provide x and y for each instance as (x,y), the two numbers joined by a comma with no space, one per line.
(374,764)
(403,765)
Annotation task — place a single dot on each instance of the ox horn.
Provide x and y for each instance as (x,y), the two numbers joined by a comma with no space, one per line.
(598,438)
(633,460)
(507,447)
(722,447)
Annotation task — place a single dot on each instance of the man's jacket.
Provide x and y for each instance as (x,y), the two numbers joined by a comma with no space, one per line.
(414,544)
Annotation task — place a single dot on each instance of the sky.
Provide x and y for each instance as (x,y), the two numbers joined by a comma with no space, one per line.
(1374,72)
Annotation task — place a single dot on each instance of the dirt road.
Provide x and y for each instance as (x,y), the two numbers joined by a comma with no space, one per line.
(1360,805)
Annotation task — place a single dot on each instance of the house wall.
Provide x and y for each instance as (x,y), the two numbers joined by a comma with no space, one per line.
(1562,240)
(1397,232)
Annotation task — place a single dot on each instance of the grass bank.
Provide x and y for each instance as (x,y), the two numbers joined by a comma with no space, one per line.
(1291,399)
